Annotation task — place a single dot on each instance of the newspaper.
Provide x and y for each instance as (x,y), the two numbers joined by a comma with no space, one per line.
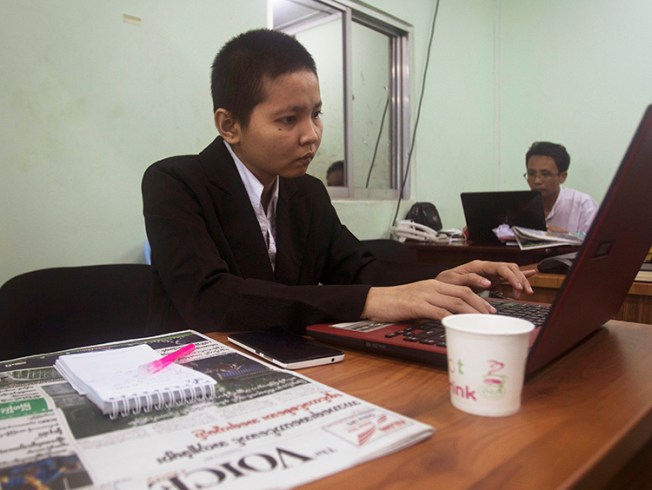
(266,428)
(529,239)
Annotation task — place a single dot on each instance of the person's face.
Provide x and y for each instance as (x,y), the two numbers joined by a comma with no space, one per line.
(543,175)
(284,131)
(335,178)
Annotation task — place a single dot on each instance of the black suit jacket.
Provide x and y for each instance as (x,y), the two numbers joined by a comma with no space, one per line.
(210,262)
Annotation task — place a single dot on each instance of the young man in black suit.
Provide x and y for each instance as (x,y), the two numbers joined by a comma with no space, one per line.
(243,238)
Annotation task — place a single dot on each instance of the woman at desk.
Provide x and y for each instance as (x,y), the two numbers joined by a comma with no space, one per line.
(243,238)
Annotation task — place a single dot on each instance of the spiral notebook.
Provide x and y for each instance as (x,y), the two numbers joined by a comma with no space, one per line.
(112,380)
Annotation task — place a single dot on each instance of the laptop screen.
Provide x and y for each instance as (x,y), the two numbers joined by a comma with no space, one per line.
(485,211)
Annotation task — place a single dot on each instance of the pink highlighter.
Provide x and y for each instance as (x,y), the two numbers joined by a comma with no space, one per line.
(165,361)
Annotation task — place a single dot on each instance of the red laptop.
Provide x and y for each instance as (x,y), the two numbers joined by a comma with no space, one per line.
(592,293)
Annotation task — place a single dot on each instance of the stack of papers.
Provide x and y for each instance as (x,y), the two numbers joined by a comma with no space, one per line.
(528,238)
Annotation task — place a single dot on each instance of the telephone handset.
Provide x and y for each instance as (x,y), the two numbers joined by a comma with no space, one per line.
(409,230)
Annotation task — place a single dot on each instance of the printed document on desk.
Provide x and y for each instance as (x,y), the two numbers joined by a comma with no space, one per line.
(528,238)
(266,427)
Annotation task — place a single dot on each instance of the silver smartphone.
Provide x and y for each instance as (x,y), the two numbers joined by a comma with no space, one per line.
(290,351)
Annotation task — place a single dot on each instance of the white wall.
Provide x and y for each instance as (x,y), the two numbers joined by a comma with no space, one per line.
(88,101)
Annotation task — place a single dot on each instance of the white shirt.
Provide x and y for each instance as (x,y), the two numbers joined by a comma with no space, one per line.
(573,211)
(266,220)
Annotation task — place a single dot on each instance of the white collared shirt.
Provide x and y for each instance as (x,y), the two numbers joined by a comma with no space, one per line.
(573,211)
(266,220)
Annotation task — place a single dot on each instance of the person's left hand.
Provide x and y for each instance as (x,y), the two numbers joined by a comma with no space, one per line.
(482,274)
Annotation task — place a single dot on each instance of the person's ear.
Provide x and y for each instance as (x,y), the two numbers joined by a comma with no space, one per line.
(562,177)
(227,126)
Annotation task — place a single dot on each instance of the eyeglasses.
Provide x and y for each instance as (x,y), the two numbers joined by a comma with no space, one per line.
(542,175)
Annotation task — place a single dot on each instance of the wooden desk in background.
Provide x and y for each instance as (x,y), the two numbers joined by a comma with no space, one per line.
(454,254)
(586,421)
(637,306)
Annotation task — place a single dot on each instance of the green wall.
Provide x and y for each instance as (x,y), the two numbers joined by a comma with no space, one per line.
(90,98)
(505,73)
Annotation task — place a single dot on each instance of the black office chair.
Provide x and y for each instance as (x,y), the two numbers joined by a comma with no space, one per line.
(64,307)
(390,250)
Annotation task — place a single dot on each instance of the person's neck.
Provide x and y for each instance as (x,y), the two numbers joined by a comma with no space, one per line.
(266,197)
(268,181)
(549,202)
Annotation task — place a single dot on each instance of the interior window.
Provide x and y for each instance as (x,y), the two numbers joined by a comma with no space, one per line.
(361,57)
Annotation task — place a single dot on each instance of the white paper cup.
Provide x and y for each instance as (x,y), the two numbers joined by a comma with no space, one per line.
(486,362)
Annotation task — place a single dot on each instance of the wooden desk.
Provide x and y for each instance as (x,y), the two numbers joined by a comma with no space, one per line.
(584,419)
(454,254)
(637,306)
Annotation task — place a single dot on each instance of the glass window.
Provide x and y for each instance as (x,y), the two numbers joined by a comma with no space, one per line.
(361,57)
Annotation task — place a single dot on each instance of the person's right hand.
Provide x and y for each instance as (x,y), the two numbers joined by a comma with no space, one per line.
(430,299)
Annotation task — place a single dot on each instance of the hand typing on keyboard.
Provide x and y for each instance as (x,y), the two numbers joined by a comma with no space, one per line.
(481,274)
(453,291)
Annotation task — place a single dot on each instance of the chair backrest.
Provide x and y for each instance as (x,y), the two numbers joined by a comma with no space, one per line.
(64,307)
(390,250)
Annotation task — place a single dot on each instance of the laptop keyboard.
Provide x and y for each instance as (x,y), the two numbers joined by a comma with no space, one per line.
(536,314)
(432,332)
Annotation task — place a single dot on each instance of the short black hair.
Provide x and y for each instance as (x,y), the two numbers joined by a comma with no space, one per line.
(553,150)
(244,63)
(335,166)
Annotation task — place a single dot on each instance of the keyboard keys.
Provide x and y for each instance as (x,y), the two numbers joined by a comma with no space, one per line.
(432,332)
(535,313)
